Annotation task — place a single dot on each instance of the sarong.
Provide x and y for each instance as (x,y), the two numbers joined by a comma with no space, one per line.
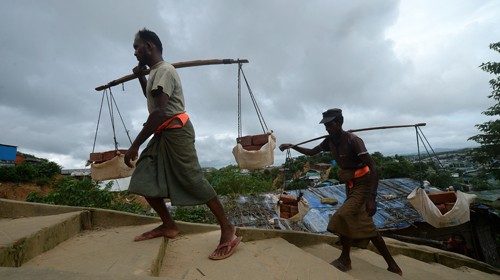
(351,219)
(169,168)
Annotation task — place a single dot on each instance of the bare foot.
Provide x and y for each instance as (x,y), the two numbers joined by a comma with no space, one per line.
(342,265)
(160,231)
(395,269)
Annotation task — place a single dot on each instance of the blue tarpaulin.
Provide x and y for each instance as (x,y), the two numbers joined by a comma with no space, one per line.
(393,209)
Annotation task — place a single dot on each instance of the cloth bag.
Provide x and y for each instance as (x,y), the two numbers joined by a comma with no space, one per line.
(114,168)
(459,214)
(255,159)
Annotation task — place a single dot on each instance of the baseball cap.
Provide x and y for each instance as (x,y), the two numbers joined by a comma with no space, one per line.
(330,115)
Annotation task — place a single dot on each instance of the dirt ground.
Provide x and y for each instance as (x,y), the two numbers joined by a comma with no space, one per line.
(19,191)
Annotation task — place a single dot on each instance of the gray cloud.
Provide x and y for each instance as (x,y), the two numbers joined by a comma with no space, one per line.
(382,62)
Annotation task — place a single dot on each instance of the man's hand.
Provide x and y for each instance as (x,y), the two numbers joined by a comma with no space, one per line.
(285,146)
(138,69)
(371,206)
(131,154)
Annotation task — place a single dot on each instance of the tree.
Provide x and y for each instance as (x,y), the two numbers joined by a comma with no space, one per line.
(489,138)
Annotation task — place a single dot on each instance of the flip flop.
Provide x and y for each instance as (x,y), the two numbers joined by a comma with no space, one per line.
(232,247)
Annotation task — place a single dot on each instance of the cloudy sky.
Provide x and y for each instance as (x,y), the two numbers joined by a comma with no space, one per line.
(383,62)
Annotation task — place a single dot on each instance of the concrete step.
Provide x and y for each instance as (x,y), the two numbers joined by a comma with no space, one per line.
(110,251)
(360,268)
(412,268)
(187,258)
(370,265)
(30,273)
(24,238)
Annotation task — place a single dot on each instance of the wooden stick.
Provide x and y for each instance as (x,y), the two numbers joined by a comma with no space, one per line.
(181,64)
(363,129)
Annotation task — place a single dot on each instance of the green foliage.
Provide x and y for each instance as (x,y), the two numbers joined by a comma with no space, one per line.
(334,173)
(47,169)
(393,167)
(489,138)
(229,180)
(9,174)
(29,172)
(76,193)
(480,182)
(297,185)
(85,193)
(194,214)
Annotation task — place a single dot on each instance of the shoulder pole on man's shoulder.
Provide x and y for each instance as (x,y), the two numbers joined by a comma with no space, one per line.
(363,129)
(181,64)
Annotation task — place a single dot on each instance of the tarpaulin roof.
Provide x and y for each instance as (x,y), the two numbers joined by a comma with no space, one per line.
(393,209)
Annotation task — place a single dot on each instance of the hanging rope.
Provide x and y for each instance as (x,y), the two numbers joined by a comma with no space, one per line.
(121,118)
(112,117)
(254,102)
(239,100)
(111,104)
(98,120)
(288,164)
(430,147)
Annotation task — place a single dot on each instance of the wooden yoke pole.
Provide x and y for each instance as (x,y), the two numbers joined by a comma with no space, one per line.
(365,129)
(181,64)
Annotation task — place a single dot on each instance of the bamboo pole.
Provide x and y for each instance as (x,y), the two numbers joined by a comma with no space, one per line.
(364,129)
(181,64)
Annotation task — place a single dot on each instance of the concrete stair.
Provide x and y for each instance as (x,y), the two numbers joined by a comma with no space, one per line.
(370,265)
(24,238)
(274,258)
(78,245)
(105,251)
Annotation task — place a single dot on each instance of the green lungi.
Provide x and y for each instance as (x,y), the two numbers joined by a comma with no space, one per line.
(351,219)
(169,168)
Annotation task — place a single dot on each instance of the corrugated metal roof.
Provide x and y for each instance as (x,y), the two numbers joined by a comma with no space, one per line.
(393,209)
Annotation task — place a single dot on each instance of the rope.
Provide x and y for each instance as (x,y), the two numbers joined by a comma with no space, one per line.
(288,162)
(419,158)
(121,118)
(255,105)
(254,102)
(112,118)
(239,100)
(111,103)
(434,153)
(98,120)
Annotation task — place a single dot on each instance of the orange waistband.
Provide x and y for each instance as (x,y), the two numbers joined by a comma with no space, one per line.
(361,171)
(183,117)
(358,173)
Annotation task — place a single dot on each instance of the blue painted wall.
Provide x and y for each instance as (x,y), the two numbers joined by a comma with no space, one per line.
(7,152)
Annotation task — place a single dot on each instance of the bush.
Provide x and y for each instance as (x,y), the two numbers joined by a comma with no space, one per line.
(8,174)
(194,214)
(297,185)
(26,172)
(85,193)
(30,172)
(229,180)
(47,169)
